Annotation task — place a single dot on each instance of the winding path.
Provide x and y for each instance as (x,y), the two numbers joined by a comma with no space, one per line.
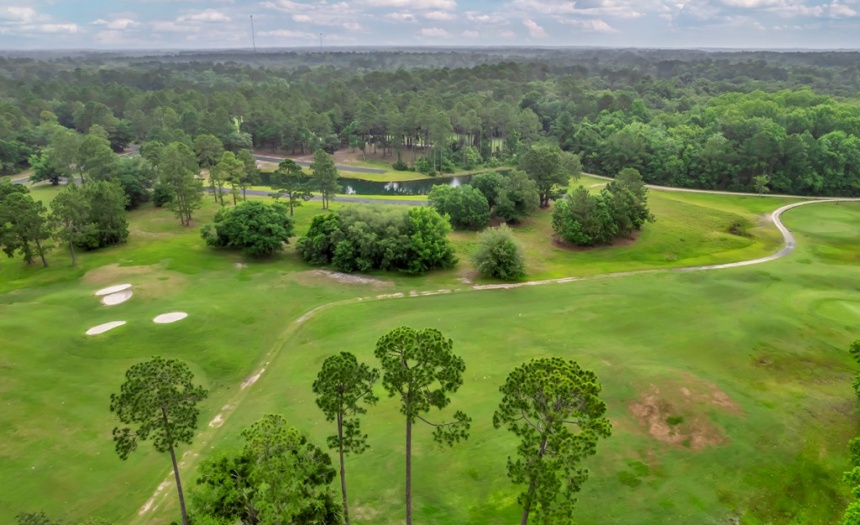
(789,244)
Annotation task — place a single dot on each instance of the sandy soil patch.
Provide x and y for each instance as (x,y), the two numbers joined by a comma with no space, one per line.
(171,317)
(253,379)
(102,328)
(113,290)
(349,278)
(113,273)
(117,298)
(677,416)
(217,422)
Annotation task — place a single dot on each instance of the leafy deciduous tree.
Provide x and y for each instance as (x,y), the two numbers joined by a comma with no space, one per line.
(256,228)
(70,217)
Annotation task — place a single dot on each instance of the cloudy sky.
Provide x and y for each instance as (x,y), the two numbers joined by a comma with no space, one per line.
(162,24)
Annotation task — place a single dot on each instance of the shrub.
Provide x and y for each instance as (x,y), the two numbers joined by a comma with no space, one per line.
(465,206)
(366,238)
(161,195)
(254,227)
(400,166)
(498,255)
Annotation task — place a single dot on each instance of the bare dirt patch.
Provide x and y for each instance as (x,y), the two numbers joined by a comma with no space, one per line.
(112,273)
(346,278)
(679,415)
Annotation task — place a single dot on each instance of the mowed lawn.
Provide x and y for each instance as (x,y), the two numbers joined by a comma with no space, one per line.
(760,351)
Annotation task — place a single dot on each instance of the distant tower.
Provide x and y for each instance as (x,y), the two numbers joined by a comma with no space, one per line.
(253,36)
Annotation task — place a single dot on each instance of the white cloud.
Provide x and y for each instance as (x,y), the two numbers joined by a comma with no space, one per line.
(53,28)
(591,25)
(440,16)
(287,5)
(209,15)
(20,14)
(471,34)
(544,7)
(168,26)
(837,10)
(302,19)
(411,4)
(116,25)
(434,32)
(485,18)
(535,30)
(286,33)
(399,17)
(507,34)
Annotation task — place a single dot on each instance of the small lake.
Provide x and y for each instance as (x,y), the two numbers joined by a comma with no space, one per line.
(415,187)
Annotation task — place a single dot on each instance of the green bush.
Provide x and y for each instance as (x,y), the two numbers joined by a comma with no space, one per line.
(254,227)
(161,195)
(498,255)
(465,206)
(400,166)
(367,238)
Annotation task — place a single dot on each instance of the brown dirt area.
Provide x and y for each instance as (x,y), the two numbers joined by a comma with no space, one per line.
(147,281)
(677,414)
(326,276)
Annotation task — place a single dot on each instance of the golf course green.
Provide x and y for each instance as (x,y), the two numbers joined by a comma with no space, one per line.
(729,390)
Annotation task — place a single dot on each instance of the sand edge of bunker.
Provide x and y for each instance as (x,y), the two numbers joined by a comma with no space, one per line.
(117,298)
(111,290)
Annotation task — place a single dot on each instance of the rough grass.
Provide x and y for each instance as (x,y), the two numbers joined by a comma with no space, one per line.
(770,338)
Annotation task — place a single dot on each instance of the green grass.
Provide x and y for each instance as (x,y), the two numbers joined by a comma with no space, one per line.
(751,362)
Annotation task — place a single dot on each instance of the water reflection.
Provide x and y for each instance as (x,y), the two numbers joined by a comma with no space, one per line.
(416,187)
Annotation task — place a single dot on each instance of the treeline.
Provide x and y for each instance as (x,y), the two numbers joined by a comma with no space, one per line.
(665,118)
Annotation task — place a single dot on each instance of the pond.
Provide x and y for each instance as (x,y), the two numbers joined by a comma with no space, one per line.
(415,187)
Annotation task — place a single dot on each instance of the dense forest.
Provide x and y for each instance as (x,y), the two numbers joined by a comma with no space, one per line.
(700,119)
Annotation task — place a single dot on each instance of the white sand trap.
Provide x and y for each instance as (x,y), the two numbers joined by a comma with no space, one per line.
(102,328)
(117,298)
(113,289)
(172,317)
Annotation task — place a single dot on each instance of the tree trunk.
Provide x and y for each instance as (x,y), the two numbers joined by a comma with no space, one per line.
(41,253)
(342,468)
(176,475)
(74,255)
(179,486)
(244,196)
(408,471)
(528,504)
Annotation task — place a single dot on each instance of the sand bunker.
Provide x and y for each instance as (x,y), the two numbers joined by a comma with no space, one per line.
(172,317)
(117,298)
(102,328)
(113,289)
